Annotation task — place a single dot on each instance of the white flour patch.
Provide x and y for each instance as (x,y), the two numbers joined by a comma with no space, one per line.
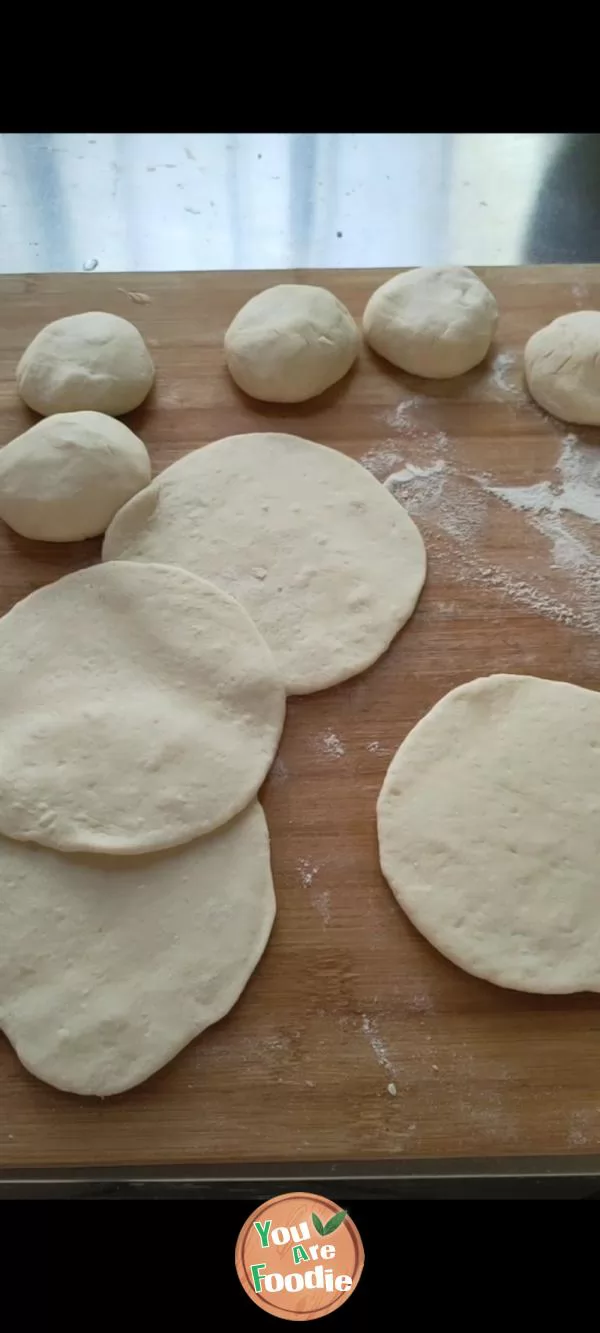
(380,460)
(439,500)
(412,473)
(331,744)
(307,872)
(321,903)
(528,594)
(375,747)
(279,772)
(504,371)
(421,1004)
(581,295)
(377,1045)
(576,489)
(583,1129)
(400,417)
(553,507)
(392,1089)
(532,498)
(455,511)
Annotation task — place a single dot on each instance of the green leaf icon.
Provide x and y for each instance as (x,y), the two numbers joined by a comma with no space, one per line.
(318,1225)
(334,1222)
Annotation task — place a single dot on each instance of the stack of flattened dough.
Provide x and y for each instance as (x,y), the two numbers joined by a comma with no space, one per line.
(141,706)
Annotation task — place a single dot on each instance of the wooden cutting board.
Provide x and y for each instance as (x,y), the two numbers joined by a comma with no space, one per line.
(355,1040)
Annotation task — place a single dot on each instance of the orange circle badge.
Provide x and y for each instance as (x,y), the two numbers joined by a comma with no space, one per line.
(299,1256)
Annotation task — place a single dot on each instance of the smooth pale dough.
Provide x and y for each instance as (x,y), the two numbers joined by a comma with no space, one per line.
(139,708)
(93,362)
(434,322)
(323,558)
(562,367)
(489,831)
(290,343)
(66,477)
(110,965)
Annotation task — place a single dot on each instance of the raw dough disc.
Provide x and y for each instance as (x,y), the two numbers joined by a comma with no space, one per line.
(489,831)
(323,558)
(435,322)
(139,707)
(94,362)
(110,965)
(66,477)
(562,367)
(290,343)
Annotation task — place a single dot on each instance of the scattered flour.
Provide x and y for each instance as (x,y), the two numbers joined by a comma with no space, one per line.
(450,504)
(400,417)
(380,459)
(581,295)
(411,472)
(572,494)
(421,1004)
(439,500)
(375,747)
(307,872)
(392,1089)
(377,1045)
(583,1129)
(279,771)
(504,367)
(577,488)
(331,744)
(321,902)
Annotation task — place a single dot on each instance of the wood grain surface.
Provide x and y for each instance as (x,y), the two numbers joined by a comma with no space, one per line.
(354,1040)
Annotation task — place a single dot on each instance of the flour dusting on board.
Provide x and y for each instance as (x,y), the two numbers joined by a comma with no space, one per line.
(321,901)
(581,295)
(279,771)
(307,872)
(377,1045)
(322,904)
(454,506)
(505,369)
(556,508)
(381,459)
(331,744)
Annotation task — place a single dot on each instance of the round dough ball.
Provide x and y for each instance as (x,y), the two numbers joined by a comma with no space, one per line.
(67,476)
(489,831)
(139,708)
(562,367)
(110,965)
(323,558)
(290,343)
(94,362)
(434,322)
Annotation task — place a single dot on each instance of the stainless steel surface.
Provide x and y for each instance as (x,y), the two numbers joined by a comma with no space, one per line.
(573,1178)
(118,202)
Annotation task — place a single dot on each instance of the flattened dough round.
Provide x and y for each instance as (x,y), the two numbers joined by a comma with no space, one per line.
(95,362)
(435,322)
(562,367)
(139,708)
(66,477)
(323,558)
(110,965)
(489,831)
(290,343)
